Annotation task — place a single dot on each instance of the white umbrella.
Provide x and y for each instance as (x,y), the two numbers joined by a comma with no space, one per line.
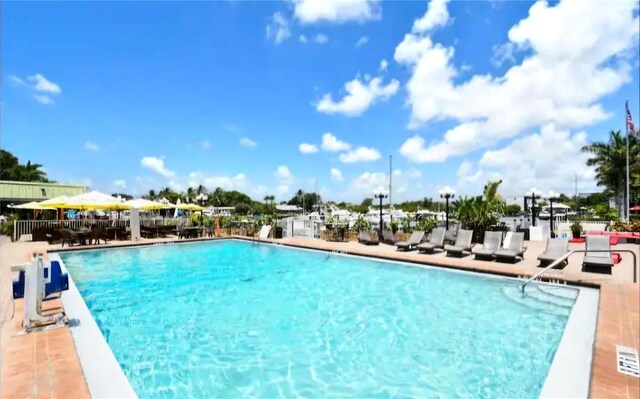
(95,200)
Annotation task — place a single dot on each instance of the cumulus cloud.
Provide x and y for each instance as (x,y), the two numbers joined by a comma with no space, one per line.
(320,38)
(568,69)
(435,16)
(331,143)
(336,175)
(282,189)
(306,148)
(157,165)
(336,11)
(237,182)
(284,175)
(360,95)
(91,146)
(278,28)
(360,154)
(362,41)
(247,142)
(383,65)
(303,39)
(43,99)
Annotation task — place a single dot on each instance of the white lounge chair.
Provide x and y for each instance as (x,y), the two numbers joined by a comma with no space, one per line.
(264,232)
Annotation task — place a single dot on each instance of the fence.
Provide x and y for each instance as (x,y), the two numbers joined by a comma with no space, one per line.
(292,227)
(22,229)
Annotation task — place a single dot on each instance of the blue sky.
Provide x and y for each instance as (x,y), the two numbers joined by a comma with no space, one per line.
(130,96)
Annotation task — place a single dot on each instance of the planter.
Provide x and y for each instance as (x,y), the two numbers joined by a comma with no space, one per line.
(576,234)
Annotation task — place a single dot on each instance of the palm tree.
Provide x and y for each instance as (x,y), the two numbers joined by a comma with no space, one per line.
(610,161)
(32,172)
(151,195)
(191,194)
(478,213)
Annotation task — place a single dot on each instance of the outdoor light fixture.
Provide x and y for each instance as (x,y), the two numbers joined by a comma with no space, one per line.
(552,196)
(380,194)
(447,193)
(533,194)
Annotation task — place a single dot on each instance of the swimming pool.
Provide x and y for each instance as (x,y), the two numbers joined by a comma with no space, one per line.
(234,319)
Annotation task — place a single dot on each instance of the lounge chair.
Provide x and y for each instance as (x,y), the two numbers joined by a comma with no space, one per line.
(70,237)
(436,241)
(263,234)
(462,246)
(556,248)
(491,243)
(388,237)
(364,237)
(415,239)
(514,251)
(597,262)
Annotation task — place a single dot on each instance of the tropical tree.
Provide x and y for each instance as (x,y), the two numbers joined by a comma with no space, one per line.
(610,161)
(11,169)
(151,195)
(480,212)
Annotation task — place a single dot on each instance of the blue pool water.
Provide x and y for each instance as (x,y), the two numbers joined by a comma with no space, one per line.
(233,319)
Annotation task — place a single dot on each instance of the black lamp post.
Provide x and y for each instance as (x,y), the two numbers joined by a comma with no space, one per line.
(447,193)
(533,194)
(380,195)
(552,197)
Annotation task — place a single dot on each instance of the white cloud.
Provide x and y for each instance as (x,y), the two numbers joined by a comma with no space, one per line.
(43,85)
(247,142)
(284,175)
(360,96)
(360,154)
(42,99)
(336,175)
(157,165)
(282,189)
(533,161)
(237,182)
(568,69)
(16,80)
(383,65)
(306,148)
(278,28)
(337,11)
(414,173)
(91,146)
(331,143)
(120,184)
(362,41)
(321,39)
(435,16)
(303,39)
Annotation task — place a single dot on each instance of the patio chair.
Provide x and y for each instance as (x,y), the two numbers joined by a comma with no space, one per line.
(491,243)
(97,234)
(70,237)
(364,237)
(412,242)
(556,248)
(436,241)
(597,262)
(388,237)
(462,246)
(514,251)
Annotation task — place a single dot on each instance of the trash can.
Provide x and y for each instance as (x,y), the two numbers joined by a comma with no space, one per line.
(278,232)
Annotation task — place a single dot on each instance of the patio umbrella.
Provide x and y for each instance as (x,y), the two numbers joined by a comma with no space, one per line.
(95,200)
(635,208)
(146,205)
(189,207)
(56,202)
(33,205)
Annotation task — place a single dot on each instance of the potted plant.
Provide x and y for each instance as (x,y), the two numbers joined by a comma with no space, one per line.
(576,229)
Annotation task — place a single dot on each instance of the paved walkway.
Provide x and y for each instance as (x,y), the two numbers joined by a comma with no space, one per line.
(46,364)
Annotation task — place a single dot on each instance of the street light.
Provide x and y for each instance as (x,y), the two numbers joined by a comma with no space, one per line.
(447,193)
(380,194)
(552,196)
(533,194)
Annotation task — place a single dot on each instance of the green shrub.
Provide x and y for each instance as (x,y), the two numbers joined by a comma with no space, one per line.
(6,227)
(361,224)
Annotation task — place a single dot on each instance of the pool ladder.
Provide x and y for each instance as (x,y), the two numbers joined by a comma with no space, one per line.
(565,256)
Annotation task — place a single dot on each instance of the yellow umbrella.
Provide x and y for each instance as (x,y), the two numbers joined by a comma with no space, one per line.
(189,207)
(94,200)
(56,202)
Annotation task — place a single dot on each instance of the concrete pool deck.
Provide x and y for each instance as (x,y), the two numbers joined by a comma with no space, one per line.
(46,364)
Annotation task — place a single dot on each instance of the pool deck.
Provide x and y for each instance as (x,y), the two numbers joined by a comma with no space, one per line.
(46,364)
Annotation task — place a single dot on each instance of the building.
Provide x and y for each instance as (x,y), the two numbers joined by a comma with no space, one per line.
(20,192)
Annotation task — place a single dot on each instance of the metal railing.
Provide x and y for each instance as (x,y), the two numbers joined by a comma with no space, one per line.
(565,256)
(25,227)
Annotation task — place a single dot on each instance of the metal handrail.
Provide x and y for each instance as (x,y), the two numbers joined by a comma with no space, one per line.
(565,256)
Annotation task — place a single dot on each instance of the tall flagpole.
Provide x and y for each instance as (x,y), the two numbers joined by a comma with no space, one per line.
(626,125)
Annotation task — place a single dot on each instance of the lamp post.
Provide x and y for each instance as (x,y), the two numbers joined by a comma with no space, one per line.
(552,196)
(447,193)
(380,195)
(533,194)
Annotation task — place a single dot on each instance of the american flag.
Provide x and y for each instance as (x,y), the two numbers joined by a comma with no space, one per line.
(632,129)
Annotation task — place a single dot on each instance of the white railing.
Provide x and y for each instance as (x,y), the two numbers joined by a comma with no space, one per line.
(24,228)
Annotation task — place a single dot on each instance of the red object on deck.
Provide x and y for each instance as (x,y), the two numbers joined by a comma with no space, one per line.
(577,240)
(616,257)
